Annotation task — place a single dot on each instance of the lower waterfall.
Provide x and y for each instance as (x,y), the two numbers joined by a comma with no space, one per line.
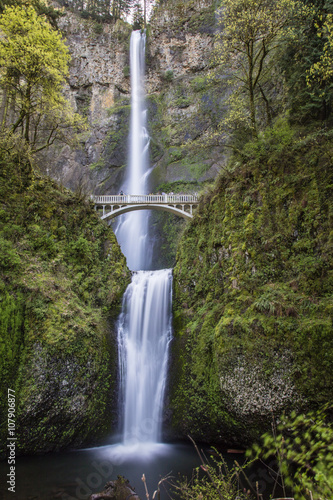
(144,334)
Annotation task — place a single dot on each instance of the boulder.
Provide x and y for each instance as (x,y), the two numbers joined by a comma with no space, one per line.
(120,489)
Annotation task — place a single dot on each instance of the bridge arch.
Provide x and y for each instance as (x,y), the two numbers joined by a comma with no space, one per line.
(130,208)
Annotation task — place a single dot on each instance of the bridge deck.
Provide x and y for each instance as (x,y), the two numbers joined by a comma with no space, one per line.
(179,204)
(135,199)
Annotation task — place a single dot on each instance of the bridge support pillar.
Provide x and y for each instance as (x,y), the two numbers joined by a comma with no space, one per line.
(103,209)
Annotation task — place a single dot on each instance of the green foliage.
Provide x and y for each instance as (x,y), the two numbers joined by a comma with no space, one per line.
(51,13)
(9,258)
(62,276)
(138,20)
(303,446)
(251,32)
(213,480)
(199,83)
(44,68)
(34,64)
(99,10)
(11,335)
(98,28)
(309,95)
(323,69)
(168,75)
(253,288)
(179,187)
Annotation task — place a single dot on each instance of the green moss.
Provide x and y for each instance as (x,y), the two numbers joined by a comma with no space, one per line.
(64,277)
(122,32)
(253,286)
(119,109)
(199,83)
(98,164)
(180,186)
(168,75)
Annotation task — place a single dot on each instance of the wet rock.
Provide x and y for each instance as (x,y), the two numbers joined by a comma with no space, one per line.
(120,489)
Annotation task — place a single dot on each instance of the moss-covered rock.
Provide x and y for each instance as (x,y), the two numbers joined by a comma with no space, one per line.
(62,276)
(253,292)
(181,120)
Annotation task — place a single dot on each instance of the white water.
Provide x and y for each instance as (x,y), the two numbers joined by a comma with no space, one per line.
(144,336)
(132,229)
(144,327)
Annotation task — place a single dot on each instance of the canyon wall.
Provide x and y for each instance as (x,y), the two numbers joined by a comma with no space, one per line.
(184,104)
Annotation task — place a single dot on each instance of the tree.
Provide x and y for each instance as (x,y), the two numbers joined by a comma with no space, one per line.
(40,7)
(120,8)
(137,16)
(250,33)
(147,6)
(33,68)
(323,69)
(309,95)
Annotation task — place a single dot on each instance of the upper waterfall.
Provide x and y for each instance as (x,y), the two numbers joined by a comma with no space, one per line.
(139,137)
(132,228)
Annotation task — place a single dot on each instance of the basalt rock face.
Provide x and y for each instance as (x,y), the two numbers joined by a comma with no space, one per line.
(184,105)
(98,88)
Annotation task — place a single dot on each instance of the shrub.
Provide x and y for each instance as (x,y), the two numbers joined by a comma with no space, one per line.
(303,445)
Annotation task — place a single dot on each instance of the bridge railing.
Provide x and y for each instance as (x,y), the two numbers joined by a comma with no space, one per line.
(145,198)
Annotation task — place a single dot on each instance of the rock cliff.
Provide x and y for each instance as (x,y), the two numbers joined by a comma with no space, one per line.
(253,293)
(98,83)
(183,104)
(62,277)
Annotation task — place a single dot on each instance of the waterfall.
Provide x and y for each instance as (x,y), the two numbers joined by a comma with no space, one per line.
(132,228)
(144,326)
(144,336)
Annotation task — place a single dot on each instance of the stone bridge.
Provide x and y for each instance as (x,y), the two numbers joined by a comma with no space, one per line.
(111,206)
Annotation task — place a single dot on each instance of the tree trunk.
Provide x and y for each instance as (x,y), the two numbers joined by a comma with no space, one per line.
(4,109)
(27,119)
(268,112)
(251,88)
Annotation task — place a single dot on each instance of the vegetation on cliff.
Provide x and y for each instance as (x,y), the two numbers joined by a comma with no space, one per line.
(62,274)
(61,280)
(253,279)
(34,65)
(253,288)
(188,103)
